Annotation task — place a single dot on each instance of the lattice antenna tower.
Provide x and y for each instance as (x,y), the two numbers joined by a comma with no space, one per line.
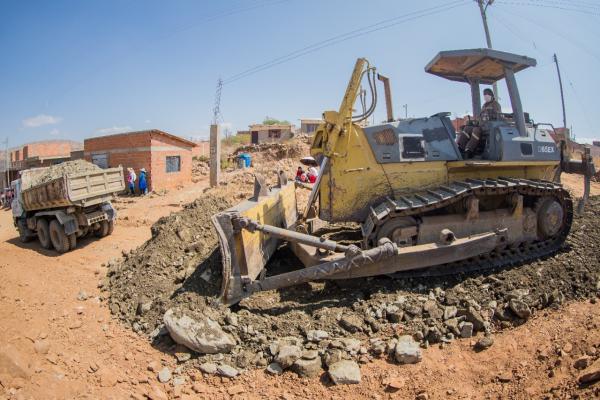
(217,107)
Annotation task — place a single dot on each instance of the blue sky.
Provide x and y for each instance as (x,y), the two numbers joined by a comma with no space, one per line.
(75,69)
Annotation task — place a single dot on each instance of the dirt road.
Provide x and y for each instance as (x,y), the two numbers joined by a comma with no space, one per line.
(58,340)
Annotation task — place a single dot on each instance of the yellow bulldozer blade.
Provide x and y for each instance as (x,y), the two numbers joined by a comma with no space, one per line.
(244,253)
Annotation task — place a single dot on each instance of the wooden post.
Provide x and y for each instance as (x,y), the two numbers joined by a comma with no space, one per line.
(215,155)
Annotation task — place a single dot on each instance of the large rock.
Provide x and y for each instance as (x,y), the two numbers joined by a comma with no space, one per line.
(476,319)
(432,309)
(287,355)
(344,372)
(352,323)
(520,308)
(204,336)
(407,350)
(308,368)
(316,335)
(227,371)
(591,373)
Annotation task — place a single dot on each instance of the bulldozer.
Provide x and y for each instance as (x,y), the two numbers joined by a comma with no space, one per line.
(420,203)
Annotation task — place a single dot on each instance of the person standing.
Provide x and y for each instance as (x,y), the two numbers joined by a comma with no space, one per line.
(143,185)
(131,178)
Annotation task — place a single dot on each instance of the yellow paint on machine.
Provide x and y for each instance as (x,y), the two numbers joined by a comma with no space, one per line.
(253,249)
(355,181)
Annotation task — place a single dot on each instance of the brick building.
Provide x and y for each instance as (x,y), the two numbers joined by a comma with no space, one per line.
(167,158)
(261,133)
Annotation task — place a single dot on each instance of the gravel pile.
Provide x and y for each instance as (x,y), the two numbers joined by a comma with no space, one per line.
(44,175)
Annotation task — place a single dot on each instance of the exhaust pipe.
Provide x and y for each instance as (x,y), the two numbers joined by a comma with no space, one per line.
(388,96)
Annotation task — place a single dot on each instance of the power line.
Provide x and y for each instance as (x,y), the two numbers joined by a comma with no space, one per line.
(384,24)
(553,6)
(562,35)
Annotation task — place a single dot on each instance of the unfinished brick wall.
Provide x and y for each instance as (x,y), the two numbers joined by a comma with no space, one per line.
(49,148)
(202,149)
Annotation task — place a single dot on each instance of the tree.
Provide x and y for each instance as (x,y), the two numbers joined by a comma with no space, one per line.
(274,121)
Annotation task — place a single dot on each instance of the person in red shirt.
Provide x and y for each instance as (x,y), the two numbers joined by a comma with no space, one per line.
(299,173)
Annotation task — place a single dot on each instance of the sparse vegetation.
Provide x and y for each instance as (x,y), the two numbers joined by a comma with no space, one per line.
(236,140)
(274,121)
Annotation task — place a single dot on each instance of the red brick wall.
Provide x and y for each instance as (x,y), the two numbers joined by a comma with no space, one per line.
(159,177)
(127,159)
(47,149)
(140,156)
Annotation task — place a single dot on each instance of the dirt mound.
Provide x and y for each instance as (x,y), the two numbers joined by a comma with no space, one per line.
(56,171)
(178,267)
(275,151)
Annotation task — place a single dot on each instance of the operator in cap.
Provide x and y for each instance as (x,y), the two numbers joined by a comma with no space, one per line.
(468,138)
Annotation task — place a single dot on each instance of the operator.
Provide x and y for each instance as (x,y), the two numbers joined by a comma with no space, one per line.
(468,138)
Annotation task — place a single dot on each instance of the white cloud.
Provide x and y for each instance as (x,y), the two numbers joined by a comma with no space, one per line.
(147,121)
(54,132)
(41,120)
(114,129)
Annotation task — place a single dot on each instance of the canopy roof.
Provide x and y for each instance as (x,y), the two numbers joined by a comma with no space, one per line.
(486,65)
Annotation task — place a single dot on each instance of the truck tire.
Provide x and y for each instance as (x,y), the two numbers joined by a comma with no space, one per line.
(111,227)
(24,233)
(72,241)
(103,230)
(43,233)
(59,238)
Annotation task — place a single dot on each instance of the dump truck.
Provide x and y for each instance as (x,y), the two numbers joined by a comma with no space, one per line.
(423,206)
(61,210)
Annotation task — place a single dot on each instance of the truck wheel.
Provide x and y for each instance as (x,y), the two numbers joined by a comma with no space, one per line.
(72,241)
(43,233)
(23,232)
(59,238)
(111,227)
(103,230)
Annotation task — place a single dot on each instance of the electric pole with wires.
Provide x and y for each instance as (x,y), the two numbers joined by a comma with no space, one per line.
(215,139)
(6,163)
(483,5)
(562,96)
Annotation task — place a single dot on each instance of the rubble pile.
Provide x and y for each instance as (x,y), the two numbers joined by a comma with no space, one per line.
(274,151)
(166,289)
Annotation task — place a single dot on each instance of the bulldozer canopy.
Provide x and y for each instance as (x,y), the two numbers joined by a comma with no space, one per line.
(485,65)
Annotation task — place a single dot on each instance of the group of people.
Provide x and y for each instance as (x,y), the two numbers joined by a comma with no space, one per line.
(309,176)
(6,198)
(142,181)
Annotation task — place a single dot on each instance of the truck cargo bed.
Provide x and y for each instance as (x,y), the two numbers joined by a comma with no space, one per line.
(85,189)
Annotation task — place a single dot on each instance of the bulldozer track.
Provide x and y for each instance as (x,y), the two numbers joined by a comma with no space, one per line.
(443,196)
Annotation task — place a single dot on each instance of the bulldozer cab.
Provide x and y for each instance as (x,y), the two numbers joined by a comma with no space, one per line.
(507,136)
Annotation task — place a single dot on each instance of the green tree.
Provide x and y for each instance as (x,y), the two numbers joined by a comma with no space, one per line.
(274,121)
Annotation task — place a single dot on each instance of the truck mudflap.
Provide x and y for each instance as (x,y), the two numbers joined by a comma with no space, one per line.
(245,253)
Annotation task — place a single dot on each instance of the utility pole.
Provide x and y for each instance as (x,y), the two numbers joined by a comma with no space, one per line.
(562,97)
(7,163)
(215,139)
(483,5)
(405,106)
